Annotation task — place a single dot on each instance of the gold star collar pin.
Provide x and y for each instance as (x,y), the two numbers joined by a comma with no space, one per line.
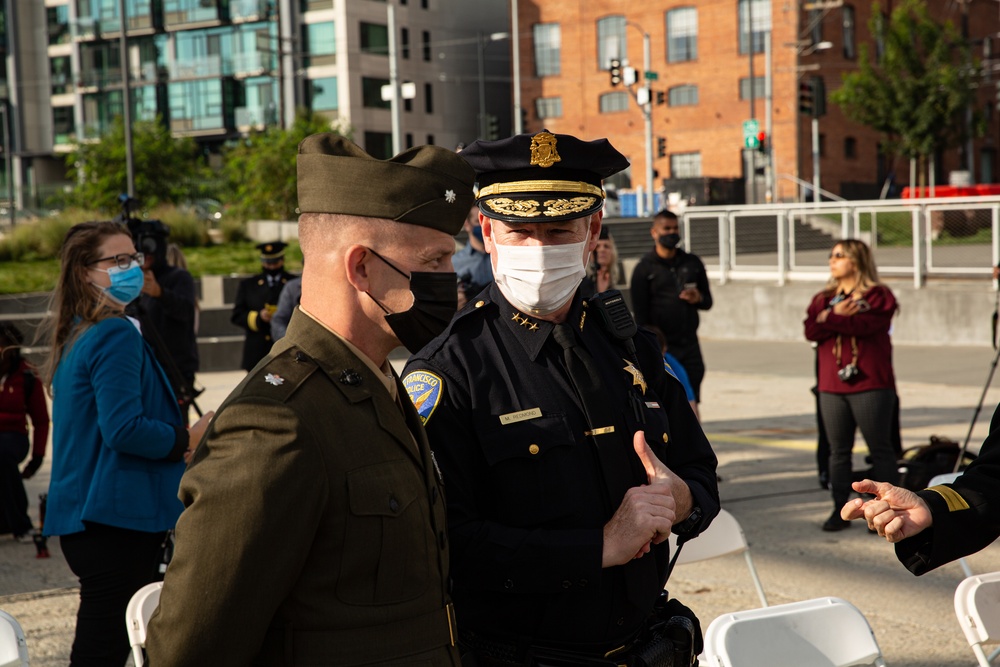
(637,378)
(524,321)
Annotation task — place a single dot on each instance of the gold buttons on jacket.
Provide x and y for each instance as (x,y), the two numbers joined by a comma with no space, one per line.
(480,304)
(666,437)
(533,449)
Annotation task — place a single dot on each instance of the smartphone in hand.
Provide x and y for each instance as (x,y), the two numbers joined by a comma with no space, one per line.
(863,306)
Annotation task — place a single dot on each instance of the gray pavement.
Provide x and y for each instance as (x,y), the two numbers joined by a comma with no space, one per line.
(759,414)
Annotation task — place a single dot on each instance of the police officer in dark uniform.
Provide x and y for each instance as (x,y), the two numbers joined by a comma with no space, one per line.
(940,524)
(256,301)
(314,528)
(568,453)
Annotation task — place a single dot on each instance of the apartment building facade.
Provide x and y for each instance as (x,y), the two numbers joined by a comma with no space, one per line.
(713,64)
(216,70)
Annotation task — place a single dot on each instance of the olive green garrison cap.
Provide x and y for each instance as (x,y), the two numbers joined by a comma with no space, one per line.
(428,186)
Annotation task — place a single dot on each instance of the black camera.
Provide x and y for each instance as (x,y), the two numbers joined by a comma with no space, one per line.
(149,236)
(848,373)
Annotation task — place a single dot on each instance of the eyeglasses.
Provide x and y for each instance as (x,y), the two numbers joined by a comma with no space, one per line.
(838,255)
(123,260)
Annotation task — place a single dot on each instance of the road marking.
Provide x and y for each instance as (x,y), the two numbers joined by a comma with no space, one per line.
(776,443)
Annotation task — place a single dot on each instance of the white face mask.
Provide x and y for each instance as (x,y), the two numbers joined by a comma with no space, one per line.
(539,279)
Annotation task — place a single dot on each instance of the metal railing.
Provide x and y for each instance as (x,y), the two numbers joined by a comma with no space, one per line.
(922,238)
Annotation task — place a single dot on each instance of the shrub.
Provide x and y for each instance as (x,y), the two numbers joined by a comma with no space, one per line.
(186,229)
(41,238)
(233,230)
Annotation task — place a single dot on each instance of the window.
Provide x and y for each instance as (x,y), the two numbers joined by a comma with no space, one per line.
(611,43)
(319,44)
(759,11)
(63,125)
(428,98)
(682,96)
(815,26)
(987,160)
(323,94)
(430,139)
(307,5)
(850,148)
(682,35)
(58,25)
(379,145)
(408,104)
(758,88)
(408,139)
(685,165)
(424,5)
(426,38)
(62,75)
(404,42)
(612,102)
(198,105)
(547,46)
(374,39)
(548,107)
(850,50)
(371,94)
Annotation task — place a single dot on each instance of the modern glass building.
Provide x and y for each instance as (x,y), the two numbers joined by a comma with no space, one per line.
(216,70)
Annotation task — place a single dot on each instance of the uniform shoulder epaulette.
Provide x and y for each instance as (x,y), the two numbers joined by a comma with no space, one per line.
(281,376)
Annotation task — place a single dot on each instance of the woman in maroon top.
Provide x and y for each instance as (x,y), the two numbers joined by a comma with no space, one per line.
(22,397)
(850,320)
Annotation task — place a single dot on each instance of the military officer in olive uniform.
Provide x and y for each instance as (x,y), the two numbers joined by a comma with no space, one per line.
(314,528)
(568,452)
(256,301)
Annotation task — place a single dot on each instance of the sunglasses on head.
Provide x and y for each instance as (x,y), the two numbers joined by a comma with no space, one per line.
(838,255)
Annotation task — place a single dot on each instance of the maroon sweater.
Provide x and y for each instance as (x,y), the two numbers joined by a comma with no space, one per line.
(870,329)
(14,409)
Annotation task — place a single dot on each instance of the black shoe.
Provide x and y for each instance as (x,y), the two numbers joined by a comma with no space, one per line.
(835,523)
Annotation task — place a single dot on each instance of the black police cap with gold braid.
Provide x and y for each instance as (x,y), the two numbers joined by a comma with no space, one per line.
(272,250)
(428,186)
(542,177)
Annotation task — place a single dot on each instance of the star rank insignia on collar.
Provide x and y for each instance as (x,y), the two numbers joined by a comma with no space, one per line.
(637,378)
(449,196)
(272,378)
(524,321)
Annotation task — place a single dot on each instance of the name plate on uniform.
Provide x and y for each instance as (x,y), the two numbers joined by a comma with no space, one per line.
(523,415)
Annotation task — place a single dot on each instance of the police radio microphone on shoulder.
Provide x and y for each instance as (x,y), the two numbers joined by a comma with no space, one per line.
(615,314)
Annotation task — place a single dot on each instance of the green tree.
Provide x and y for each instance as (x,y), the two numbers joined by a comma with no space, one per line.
(166,170)
(259,171)
(918,93)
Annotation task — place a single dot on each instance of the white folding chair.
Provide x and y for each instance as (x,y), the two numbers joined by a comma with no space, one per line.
(13,646)
(977,606)
(142,605)
(824,632)
(724,536)
(948,478)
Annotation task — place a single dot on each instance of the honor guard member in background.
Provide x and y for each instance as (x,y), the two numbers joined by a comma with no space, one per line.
(314,532)
(256,301)
(568,453)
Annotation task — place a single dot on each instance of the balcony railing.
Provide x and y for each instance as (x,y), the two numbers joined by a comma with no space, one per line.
(205,67)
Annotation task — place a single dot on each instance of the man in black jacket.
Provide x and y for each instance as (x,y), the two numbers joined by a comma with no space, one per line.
(166,309)
(257,300)
(669,286)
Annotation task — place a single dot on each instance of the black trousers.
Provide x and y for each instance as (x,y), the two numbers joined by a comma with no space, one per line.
(112,564)
(690,357)
(13,499)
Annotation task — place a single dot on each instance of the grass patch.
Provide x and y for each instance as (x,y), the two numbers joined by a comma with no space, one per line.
(34,276)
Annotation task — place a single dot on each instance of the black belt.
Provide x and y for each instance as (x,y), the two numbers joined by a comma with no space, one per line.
(390,641)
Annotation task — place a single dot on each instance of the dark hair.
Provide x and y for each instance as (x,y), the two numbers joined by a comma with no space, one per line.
(12,336)
(75,303)
(666,213)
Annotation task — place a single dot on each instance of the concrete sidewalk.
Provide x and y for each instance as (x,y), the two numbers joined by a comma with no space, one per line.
(759,414)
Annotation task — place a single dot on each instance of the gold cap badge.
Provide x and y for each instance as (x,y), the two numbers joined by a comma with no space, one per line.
(543,150)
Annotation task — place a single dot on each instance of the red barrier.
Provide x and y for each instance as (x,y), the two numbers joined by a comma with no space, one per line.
(980,190)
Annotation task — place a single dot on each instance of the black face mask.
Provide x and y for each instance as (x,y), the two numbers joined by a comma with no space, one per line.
(274,271)
(669,241)
(435,300)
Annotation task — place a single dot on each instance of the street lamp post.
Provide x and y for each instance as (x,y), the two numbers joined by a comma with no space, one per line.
(483,40)
(516,71)
(8,166)
(126,103)
(647,115)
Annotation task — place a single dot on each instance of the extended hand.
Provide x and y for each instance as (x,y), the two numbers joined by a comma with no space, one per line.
(691,295)
(896,513)
(150,285)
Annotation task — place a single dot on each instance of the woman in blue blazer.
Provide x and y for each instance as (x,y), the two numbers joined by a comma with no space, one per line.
(118,440)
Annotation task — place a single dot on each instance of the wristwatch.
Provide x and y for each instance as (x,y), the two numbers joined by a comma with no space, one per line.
(688,524)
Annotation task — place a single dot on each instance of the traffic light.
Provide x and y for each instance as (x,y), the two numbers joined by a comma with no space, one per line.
(616,72)
(661,147)
(806,99)
(762,142)
(661,97)
(492,127)
(819,97)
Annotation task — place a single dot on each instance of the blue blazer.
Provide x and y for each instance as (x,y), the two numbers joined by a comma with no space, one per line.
(115,420)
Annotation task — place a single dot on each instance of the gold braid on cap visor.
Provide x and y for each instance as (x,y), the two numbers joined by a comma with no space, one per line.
(519,187)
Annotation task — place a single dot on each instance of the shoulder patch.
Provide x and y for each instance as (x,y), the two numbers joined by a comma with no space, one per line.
(424,389)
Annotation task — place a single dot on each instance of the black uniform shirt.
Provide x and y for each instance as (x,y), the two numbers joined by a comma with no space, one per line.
(527,490)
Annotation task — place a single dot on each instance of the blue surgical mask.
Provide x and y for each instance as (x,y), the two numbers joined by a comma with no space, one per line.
(126,284)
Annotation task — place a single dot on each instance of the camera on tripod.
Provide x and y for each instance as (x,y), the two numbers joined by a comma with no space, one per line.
(848,373)
(149,236)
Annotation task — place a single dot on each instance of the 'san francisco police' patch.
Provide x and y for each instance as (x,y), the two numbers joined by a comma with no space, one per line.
(424,390)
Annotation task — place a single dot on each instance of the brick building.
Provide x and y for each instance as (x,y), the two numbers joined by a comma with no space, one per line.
(700,52)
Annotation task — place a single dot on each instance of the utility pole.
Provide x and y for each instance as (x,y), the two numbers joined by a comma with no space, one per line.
(8,166)
(394,79)
(515,43)
(647,112)
(752,160)
(126,102)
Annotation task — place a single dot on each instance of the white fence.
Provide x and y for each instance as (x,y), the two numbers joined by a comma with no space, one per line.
(943,237)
